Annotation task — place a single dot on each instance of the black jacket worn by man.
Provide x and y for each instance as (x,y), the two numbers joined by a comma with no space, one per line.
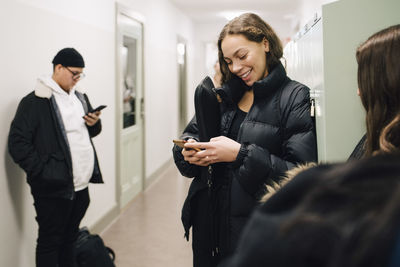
(38,143)
(276,134)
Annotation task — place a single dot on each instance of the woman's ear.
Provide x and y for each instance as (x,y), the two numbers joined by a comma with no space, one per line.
(266,45)
(358,92)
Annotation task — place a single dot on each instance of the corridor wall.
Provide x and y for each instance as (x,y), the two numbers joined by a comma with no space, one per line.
(31,34)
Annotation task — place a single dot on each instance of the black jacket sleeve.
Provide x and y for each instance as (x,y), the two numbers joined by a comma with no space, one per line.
(257,164)
(20,139)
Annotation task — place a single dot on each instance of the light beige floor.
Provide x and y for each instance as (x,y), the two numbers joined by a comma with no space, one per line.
(149,232)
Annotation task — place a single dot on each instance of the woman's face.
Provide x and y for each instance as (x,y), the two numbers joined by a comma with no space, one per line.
(245,59)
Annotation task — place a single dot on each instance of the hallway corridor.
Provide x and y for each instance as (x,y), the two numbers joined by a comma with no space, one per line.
(149,233)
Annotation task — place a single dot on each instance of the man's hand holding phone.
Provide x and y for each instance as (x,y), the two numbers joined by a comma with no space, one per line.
(92,117)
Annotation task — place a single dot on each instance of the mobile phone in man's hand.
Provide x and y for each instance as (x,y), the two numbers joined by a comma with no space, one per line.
(95,110)
(98,108)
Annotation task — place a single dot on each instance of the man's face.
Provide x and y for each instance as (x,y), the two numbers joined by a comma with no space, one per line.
(67,77)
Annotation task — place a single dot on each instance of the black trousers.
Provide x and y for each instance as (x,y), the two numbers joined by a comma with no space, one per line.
(58,221)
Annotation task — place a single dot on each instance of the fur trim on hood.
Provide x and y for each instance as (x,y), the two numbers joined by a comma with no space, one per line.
(272,189)
(45,86)
(42,90)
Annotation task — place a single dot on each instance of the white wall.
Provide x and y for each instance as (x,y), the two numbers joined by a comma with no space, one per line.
(204,33)
(31,34)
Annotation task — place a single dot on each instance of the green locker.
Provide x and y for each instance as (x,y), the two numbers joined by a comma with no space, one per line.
(322,56)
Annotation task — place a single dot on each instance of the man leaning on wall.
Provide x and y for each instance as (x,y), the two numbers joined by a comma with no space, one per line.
(50,139)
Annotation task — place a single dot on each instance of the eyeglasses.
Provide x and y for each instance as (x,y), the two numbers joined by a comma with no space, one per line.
(75,74)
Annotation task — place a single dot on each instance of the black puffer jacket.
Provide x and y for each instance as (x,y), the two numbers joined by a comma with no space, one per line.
(277,133)
(37,142)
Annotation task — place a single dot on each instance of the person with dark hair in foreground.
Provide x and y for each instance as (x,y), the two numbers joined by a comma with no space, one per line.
(330,215)
(346,214)
(379,89)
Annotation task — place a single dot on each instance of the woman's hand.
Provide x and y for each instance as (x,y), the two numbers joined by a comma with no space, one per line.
(219,149)
(190,155)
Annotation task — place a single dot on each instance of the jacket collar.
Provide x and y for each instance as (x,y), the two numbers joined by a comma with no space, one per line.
(232,91)
(270,84)
(46,86)
(42,90)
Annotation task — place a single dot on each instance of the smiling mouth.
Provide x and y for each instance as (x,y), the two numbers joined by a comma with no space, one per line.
(246,75)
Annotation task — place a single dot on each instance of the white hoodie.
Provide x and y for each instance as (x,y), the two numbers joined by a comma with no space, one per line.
(82,153)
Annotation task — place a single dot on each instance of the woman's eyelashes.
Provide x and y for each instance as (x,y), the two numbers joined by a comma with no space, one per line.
(242,57)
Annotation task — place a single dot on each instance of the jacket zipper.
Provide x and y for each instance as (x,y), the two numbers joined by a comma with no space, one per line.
(209,179)
(215,249)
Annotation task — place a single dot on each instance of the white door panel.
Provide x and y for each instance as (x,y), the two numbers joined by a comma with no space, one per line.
(129,97)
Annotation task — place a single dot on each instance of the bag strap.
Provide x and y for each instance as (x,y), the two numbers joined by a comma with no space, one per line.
(111,253)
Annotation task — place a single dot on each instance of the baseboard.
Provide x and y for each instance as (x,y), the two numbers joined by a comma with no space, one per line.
(105,221)
(157,174)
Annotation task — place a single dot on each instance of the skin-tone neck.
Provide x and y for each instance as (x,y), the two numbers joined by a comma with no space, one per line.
(246,101)
(55,78)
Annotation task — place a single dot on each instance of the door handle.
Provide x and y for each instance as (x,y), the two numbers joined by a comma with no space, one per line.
(142,108)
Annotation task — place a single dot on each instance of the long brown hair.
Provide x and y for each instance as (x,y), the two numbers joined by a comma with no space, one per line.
(254,29)
(379,83)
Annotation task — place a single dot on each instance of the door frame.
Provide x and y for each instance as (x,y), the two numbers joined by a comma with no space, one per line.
(182,86)
(124,10)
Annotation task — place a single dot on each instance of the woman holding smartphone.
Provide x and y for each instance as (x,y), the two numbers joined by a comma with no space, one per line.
(266,129)
(341,214)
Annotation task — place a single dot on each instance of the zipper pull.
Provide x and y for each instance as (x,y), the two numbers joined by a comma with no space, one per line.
(209,179)
(214,252)
(210,170)
(312,107)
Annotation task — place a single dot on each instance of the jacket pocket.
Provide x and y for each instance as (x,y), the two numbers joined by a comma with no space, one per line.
(55,170)
(242,203)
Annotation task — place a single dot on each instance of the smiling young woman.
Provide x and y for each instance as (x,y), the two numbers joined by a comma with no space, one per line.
(266,129)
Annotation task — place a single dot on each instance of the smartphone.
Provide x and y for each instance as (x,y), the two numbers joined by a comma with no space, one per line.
(181,144)
(98,108)
(94,110)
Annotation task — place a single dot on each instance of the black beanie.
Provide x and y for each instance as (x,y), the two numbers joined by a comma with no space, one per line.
(69,57)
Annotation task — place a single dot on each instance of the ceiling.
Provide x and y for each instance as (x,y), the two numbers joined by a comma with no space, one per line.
(285,16)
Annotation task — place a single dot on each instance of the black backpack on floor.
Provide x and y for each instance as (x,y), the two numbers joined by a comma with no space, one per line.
(91,251)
